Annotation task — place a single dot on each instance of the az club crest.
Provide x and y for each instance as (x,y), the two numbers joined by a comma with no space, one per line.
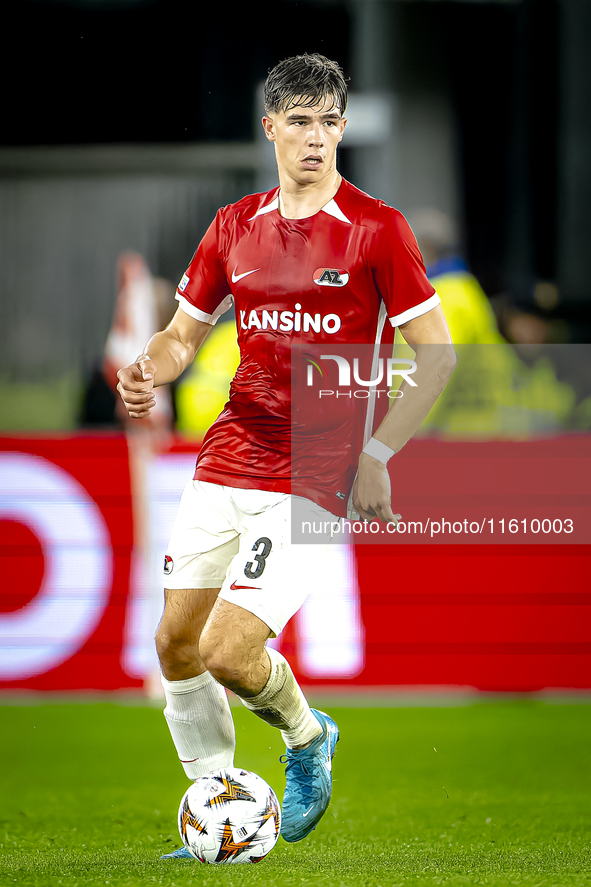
(331,277)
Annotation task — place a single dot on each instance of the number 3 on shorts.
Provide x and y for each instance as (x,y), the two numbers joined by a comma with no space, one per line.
(260,558)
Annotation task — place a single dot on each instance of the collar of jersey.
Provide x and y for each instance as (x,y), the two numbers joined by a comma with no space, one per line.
(332,208)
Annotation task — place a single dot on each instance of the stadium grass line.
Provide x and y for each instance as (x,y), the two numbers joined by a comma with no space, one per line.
(347,696)
(488,794)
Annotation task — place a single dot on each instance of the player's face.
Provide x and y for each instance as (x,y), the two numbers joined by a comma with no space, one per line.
(306,140)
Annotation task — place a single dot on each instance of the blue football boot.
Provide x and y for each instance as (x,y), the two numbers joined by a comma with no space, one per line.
(308,781)
(181,853)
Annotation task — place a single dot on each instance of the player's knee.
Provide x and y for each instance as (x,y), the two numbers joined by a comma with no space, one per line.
(174,647)
(226,666)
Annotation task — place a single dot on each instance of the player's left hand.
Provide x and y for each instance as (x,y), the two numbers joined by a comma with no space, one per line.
(371,491)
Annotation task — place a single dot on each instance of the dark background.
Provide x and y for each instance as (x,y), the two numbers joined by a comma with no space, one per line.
(516,74)
(181,71)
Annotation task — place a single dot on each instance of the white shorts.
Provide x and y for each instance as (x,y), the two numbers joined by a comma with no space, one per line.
(240,541)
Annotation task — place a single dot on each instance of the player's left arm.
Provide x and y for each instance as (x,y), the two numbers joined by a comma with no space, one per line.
(435,358)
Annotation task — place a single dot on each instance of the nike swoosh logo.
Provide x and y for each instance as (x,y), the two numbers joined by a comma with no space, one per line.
(235,587)
(307,811)
(237,277)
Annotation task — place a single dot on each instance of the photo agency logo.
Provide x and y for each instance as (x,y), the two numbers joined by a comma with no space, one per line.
(348,381)
(339,395)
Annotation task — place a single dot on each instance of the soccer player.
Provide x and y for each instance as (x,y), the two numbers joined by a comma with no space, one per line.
(314,261)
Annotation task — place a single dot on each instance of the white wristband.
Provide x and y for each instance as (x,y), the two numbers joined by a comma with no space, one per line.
(378,450)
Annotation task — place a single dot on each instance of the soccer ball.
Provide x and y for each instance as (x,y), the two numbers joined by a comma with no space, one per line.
(229,816)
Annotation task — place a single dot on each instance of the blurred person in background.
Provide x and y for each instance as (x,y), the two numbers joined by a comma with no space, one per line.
(202,393)
(467,309)
(144,305)
(278,254)
(495,390)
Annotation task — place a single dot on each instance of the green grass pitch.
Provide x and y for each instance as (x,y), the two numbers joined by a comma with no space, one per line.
(487,793)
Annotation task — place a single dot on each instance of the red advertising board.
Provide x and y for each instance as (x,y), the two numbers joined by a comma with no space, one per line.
(67,543)
(512,612)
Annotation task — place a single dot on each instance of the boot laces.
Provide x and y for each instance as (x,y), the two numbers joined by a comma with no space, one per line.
(304,781)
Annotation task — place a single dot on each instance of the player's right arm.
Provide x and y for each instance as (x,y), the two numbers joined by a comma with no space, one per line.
(164,358)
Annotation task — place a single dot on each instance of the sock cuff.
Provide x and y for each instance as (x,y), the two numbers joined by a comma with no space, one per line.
(188,685)
(277,676)
(277,660)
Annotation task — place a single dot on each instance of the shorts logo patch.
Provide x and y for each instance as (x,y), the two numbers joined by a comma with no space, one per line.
(168,564)
(183,283)
(331,277)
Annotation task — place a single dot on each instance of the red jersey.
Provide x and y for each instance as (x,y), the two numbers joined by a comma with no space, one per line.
(347,275)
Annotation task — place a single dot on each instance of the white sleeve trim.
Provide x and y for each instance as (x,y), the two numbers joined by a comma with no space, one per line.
(198,314)
(415,311)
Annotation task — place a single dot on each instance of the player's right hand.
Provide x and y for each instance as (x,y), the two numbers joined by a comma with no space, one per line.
(136,387)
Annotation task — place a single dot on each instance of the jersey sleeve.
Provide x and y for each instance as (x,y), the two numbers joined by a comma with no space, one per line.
(398,270)
(203,291)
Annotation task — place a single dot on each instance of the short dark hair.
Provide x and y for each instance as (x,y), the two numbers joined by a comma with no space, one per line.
(307,80)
